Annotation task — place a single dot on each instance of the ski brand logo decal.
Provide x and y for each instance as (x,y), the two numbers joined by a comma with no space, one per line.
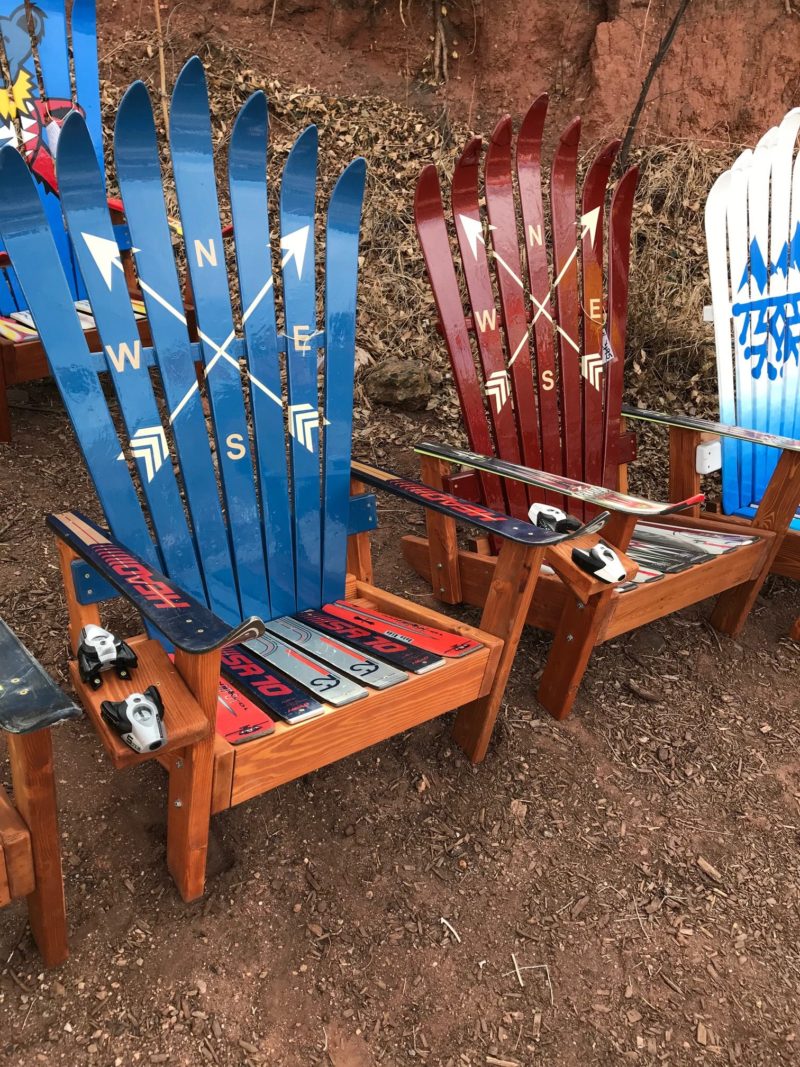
(150,445)
(770,326)
(158,593)
(39,120)
(497,389)
(243,667)
(471,511)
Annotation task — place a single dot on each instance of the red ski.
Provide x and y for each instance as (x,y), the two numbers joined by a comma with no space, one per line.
(239,719)
(429,638)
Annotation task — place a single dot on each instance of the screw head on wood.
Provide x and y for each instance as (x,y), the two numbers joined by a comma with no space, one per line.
(570,637)
(178,803)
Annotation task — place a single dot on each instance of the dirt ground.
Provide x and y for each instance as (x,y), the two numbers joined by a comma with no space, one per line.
(621,887)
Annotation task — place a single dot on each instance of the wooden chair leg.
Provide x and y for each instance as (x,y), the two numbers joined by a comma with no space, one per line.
(5,413)
(504,614)
(794,633)
(442,538)
(191,773)
(359,550)
(573,643)
(684,481)
(33,780)
(776,510)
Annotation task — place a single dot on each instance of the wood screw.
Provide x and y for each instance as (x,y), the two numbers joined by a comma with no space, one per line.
(178,803)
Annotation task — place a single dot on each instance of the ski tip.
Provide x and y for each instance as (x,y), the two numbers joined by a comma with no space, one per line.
(502,133)
(470,157)
(73,142)
(532,128)
(252,124)
(254,109)
(12,168)
(136,101)
(190,81)
(428,193)
(300,168)
(349,189)
(570,138)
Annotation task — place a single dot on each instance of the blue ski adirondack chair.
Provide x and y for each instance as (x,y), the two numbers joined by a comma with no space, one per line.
(30,853)
(753,237)
(259,521)
(48,66)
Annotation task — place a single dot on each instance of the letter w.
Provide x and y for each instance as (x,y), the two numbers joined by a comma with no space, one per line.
(486,320)
(118,358)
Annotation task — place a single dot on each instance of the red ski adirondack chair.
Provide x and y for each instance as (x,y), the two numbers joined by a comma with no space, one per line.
(538,361)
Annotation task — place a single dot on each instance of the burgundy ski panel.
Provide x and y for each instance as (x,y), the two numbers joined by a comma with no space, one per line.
(529,176)
(432,230)
(619,254)
(508,268)
(593,371)
(485,315)
(565,286)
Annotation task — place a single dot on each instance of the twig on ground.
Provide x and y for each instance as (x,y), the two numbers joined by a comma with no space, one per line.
(451,928)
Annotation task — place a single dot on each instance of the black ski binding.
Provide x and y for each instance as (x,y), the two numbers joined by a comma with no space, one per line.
(601,562)
(99,650)
(138,719)
(546,517)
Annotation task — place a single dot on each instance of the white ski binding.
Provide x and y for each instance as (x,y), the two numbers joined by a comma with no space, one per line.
(99,650)
(546,517)
(138,719)
(601,562)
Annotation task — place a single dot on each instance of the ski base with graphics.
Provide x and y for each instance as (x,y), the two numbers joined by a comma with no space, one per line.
(439,642)
(239,719)
(366,669)
(401,655)
(268,687)
(592,494)
(333,688)
(187,623)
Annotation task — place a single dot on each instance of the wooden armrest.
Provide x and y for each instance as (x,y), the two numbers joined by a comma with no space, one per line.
(464,510)
(584,585)
(184,621)
(29,698)
(689,422)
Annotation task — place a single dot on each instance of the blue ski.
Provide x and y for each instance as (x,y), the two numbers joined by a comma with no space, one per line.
(139,175)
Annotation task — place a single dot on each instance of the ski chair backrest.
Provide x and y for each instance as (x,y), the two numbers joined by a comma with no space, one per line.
(254,521)
(48,67)
(538,362)
(753,238)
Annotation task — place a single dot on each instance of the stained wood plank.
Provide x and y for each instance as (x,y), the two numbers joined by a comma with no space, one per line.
(15,839)
(31,757)
(5,891)
(184,720)
(293,751)
(191,780)
(442,537)
(684,481)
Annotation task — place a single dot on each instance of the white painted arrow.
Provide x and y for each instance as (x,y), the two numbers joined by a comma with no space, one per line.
(106,255)
(588,224)
(473,231)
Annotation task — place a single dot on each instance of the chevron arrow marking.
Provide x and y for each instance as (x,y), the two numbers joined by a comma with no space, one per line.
(149,444)
(303,420)
(497,388)
(592,368)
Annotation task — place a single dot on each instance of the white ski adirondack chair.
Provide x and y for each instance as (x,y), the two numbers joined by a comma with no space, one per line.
(753,238)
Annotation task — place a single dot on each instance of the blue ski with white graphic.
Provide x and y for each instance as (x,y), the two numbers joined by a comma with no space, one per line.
(247,167)
(195,183)
(341,279)
(297,207)
(83,201)
(25,231)
(140,181)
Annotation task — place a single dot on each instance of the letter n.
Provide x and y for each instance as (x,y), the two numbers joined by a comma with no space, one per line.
(203,253)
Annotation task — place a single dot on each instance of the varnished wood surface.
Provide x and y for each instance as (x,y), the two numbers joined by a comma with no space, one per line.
(15,839)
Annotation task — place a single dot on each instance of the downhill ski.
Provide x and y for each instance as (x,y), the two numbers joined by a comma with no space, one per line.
(440,642)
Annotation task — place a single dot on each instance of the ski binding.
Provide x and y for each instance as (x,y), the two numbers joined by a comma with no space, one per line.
(99,650)
(601,562)
(546,517)
(138,719)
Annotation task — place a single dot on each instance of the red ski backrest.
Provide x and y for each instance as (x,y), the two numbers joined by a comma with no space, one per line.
(526,356)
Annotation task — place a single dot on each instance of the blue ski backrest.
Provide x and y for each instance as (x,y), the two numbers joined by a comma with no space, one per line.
(40,83)
(753,234)
(253,517)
